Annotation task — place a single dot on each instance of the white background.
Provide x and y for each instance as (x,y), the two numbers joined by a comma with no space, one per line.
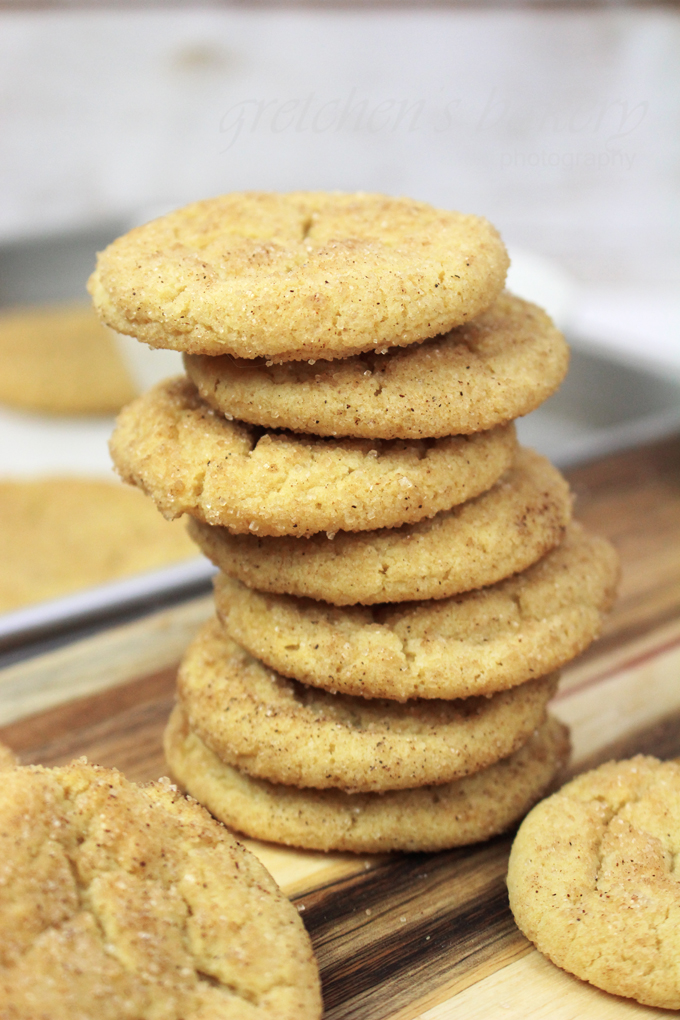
(561,126)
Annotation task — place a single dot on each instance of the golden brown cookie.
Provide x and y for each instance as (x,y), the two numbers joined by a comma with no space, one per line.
(478,543)
(61,534)
(477,643)
(127,901)
(593,879)
(427,818)
(302,275)
(190,459)
(277,729)
(60,359)
(482,374)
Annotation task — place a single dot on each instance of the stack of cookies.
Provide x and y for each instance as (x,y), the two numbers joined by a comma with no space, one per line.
(399,580)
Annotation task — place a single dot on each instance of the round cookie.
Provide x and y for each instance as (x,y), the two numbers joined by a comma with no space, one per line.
(58,535)
(277,729)
(482,374)
(190,459)
(428,818)
(477,643)
(593,882)
(61,360)
(478,543)
(302,275)
(126,901)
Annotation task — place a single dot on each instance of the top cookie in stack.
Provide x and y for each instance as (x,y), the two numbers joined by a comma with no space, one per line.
(353,372)
(298,276)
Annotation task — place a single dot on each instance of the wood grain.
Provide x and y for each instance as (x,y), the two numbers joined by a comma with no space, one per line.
(431,936)
(105,660)
(633,498)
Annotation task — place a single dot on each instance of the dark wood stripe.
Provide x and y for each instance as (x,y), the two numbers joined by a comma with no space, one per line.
(437,916)
(121,728)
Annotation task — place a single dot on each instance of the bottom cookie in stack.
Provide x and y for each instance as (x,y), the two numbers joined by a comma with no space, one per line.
(283,762)
(426,818)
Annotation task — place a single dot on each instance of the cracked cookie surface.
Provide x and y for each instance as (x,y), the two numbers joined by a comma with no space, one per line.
(477,643)
(427,818)
(594,883)
(278,729)
(302,275)
(191,460)
(486,373)
(119,901)
(477,543)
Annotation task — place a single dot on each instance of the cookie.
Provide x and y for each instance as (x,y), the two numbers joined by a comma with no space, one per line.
(485,373)
(61,534)
(190,459)
(593,882)
(477,643)
(478,543)
(278,729)
(61,360)
(126,901)
(427,818)
(303,275)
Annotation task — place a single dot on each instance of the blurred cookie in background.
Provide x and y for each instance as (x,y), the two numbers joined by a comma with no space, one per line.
(58,535)
(61,360)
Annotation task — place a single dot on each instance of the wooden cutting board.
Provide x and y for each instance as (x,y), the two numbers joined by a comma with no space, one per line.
(411,936)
